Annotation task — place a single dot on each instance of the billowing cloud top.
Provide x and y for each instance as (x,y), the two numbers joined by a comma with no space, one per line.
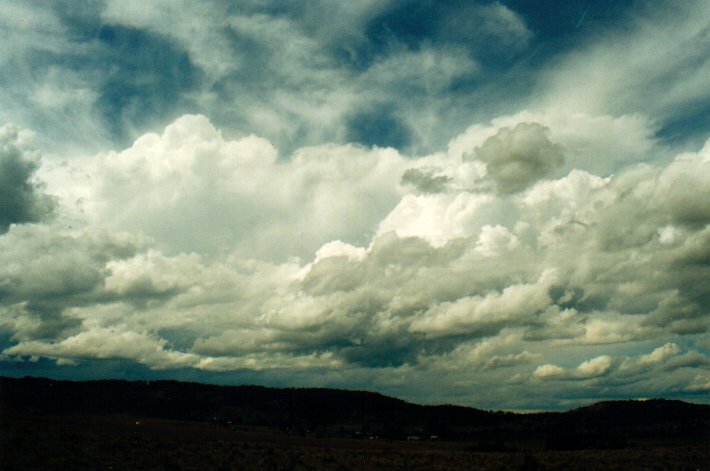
(482,204)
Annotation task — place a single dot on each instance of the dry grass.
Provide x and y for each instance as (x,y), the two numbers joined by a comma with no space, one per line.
(119,442)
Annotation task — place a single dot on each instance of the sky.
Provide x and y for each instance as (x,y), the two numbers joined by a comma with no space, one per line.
(499,204)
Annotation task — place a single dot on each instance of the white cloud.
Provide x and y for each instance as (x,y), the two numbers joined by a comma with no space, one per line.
(29,28)
(553,264)
(610,328)
(659,70)
(471,313)
(549,371)
(560,236)
(594,367)
(193,248)
(107,343)
(436,218)
(193,190)
(661,353)
(152,273)
(426,71)
(198,27)
(338,248)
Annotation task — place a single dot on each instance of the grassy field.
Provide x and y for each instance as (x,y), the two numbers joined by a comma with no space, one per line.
(79,441)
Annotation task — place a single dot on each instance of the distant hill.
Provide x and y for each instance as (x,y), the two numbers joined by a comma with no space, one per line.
(340,413)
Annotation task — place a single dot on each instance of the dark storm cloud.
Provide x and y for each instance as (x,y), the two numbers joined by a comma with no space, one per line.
(22,198)
(45,271)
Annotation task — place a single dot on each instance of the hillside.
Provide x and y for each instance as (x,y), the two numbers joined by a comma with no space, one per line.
(168,425)
(340,413)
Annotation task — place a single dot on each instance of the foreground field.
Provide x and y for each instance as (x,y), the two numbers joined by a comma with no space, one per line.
(80,441)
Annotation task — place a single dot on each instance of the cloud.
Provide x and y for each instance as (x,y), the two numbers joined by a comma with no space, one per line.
(598,75)
(285,74)
(184,22)
(425,181)
(549,371)
(198,191)
(472,313)
(594,367)
(632,376)
(438,218)
(107,343)
(493,23)
(512,359)
(151,273)
(448,280)
(21,197)
(598,143)
(516,158)
(358,76)
(491,26)
(495,227)
(661,353)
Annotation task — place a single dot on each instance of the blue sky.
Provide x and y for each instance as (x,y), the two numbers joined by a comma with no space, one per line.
(505,199)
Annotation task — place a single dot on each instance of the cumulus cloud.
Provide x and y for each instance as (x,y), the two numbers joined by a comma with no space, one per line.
(516,158)
(192,189)
(477,312)
(549,371)
(601,144)
(151,273)
(668,368)
(105,343)
(661,353)
(22,198)
(594,367)
(460,278)
(564,244)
